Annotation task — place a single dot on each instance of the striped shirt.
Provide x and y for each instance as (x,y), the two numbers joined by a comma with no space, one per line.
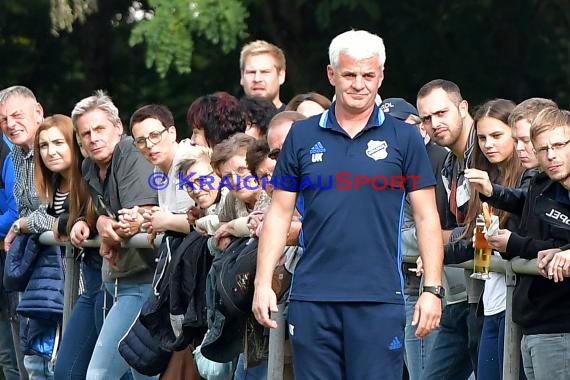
(58,202)
(25,193)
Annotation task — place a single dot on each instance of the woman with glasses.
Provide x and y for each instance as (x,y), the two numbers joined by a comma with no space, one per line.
(245,192)
(204,188)
(154,135)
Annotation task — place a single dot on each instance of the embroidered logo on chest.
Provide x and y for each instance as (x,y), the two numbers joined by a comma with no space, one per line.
(317,152)
(377,150)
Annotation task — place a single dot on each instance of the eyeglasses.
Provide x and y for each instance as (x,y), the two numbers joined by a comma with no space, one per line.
(543,151)
(274,153)
(239,175)
(199,182)
(154,137)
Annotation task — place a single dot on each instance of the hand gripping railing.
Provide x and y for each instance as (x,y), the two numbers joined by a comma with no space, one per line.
(512,353)
(71,286)
(511,358)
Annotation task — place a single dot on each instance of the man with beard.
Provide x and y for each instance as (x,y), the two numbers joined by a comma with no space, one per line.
(445,115)
(262,67)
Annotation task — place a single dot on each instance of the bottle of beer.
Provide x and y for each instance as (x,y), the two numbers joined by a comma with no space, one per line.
(483,252)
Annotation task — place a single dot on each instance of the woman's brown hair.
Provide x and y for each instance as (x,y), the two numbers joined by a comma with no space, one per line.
(507,173)
(46,180)
(80,201)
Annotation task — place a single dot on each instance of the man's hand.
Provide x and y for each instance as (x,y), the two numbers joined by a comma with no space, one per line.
(427,314)
(150,237)
(110,252)
(130,221)
(500,240)
(480,181)
(419,267)
(106,227)
(544,257)
(264,302)
(156,220)
(559,266)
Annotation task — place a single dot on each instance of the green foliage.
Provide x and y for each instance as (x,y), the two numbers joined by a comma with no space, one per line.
(63,13)
(170,30)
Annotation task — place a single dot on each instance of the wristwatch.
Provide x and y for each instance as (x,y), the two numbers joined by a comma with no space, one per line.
(16,227)
(438,290)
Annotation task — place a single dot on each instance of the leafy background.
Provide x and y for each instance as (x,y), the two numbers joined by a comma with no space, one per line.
(172,51)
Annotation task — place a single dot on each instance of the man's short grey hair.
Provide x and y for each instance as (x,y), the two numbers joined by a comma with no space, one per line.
(99,100)
(8,92)
(358,44)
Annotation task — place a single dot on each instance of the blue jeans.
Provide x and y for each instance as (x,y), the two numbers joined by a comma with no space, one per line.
(491,347)
(417,350)
(106,362)
(83,328)
(8,360)
(38,367)
(450,356)
(258,372)
(546,356)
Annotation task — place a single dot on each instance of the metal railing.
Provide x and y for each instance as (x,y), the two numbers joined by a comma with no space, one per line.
(512,340)
(511,358)
(72,270)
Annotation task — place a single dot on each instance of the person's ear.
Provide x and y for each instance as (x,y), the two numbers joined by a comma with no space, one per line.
(172,133)
(463,109)
(120,128)
(330,75)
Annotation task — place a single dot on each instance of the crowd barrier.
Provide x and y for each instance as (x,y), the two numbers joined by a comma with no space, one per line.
(511,359)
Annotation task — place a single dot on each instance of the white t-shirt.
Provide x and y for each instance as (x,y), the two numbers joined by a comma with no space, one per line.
(495,294)
(172,197)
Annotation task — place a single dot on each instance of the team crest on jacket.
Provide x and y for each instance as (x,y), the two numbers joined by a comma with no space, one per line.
(377,150)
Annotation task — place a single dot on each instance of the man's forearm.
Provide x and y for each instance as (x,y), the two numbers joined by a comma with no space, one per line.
(431,250)
(271,245)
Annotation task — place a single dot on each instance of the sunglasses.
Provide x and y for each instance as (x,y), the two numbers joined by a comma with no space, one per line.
(274,153)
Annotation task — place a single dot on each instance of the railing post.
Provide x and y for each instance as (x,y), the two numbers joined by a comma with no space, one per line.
(71,285)
(276,358)
(512,343)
